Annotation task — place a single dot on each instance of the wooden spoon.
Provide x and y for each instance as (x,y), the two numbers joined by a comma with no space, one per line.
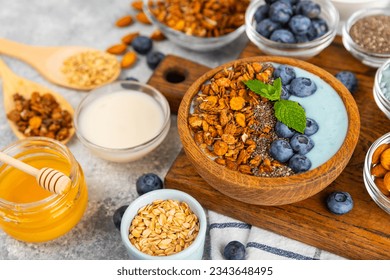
(12,84)
(49,61)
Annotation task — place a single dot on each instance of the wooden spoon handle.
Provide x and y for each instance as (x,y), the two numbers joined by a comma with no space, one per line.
(30,54)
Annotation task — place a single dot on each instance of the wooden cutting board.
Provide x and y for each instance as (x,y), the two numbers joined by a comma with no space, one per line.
(364,233)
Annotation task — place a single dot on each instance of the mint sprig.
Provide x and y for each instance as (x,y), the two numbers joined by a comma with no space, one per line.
(286,111)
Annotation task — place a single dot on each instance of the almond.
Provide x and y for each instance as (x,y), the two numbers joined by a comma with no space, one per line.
(141,17)
(378,171)
(386,182)
(385,159)
(128,59)
(379,182)
(137,5)
(157,35)
(377,154)
(117,49)
(129,38)
(124,21)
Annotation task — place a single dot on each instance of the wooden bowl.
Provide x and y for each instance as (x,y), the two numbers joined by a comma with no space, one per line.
(261,190)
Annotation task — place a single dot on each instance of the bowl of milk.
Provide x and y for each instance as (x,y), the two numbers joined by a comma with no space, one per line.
(122,121)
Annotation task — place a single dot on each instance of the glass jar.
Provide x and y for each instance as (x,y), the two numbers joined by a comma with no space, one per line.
(28,212)
(376,194)
(380,97)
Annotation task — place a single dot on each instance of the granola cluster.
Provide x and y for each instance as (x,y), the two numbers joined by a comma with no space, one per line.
(202,18)
(235,126)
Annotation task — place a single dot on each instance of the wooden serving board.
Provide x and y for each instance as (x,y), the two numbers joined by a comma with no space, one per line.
(364,233)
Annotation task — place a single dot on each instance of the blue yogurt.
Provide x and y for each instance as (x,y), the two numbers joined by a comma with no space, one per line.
(327,109)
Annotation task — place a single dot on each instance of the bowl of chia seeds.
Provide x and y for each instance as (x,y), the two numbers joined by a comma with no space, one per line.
(268,130)
(366,35)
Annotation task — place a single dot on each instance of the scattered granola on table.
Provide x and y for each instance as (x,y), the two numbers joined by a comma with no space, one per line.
(41,116)
(235,126)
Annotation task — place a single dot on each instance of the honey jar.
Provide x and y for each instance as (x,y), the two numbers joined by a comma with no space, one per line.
(27,211)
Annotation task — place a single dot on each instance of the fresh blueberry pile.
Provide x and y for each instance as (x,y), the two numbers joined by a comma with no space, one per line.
(339,202)
(118,214)
(290,21)
(234,250)
(292,146)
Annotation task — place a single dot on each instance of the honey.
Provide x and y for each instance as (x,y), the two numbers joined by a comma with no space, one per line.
(27,211)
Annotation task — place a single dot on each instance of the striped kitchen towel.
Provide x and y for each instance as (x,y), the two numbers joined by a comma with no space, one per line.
(260,244)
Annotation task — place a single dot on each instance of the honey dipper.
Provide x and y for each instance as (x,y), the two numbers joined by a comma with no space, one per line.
(47,178)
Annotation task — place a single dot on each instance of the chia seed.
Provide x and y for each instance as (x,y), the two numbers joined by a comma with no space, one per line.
(372,33)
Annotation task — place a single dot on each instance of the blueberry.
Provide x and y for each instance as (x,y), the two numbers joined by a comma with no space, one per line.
(280,11)
(266,27)
(286,73)
(317,28)
(301,143)
(299,24)
(153,59)
(118,214)
(299,163)
(234,250)
(283,36)
(348,79)
(311,127)
(339,202)
(308,8)
(142,44)
(302,38)
(131,79)
(281,150)
(283,130)
(261,13)
(285,92)
(302,87)
(148,182)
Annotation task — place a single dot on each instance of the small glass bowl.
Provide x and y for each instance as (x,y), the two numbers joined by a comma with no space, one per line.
(380,199)
(130,153)
(299,50)
(371,59)
(192,252)
(381,100)
(199,44)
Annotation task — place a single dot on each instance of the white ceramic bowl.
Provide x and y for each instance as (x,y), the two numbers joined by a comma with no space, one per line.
(199,44)
(192,252)
(297,50)
(126,153)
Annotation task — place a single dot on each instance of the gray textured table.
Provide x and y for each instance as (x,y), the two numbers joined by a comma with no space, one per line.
(89,23)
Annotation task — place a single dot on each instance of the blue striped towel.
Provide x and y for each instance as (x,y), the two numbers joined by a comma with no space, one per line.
(260,244)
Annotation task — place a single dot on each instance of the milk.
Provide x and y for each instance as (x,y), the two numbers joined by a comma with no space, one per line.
(122,119)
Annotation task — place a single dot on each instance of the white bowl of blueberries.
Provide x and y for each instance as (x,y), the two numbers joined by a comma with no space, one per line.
(293,28)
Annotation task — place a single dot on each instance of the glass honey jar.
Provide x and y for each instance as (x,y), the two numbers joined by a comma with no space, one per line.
(27,211)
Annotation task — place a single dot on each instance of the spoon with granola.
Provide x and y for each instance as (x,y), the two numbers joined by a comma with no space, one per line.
(34,110)
(76,67)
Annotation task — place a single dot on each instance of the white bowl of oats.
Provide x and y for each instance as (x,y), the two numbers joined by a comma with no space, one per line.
(198,25)
(164,224)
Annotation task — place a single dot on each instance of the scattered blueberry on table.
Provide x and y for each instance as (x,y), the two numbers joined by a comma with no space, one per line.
(234,250)
(131,79)
(142,44)
(348,79)
(118,214)
(290,21)
(153,59)
(148,182)
(339,202)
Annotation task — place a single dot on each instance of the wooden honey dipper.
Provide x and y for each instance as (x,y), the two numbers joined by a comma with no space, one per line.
(48,178)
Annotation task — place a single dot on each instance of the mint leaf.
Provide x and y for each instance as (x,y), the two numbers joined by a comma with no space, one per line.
(291,114)
(271,92)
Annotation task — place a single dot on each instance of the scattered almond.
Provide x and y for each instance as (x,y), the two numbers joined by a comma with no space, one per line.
(157,35)
(124,21)
(385,159)
(377,153)
(129,38)
(128,59)
(137,5)
(378,171)
(141,17)
(117,49)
